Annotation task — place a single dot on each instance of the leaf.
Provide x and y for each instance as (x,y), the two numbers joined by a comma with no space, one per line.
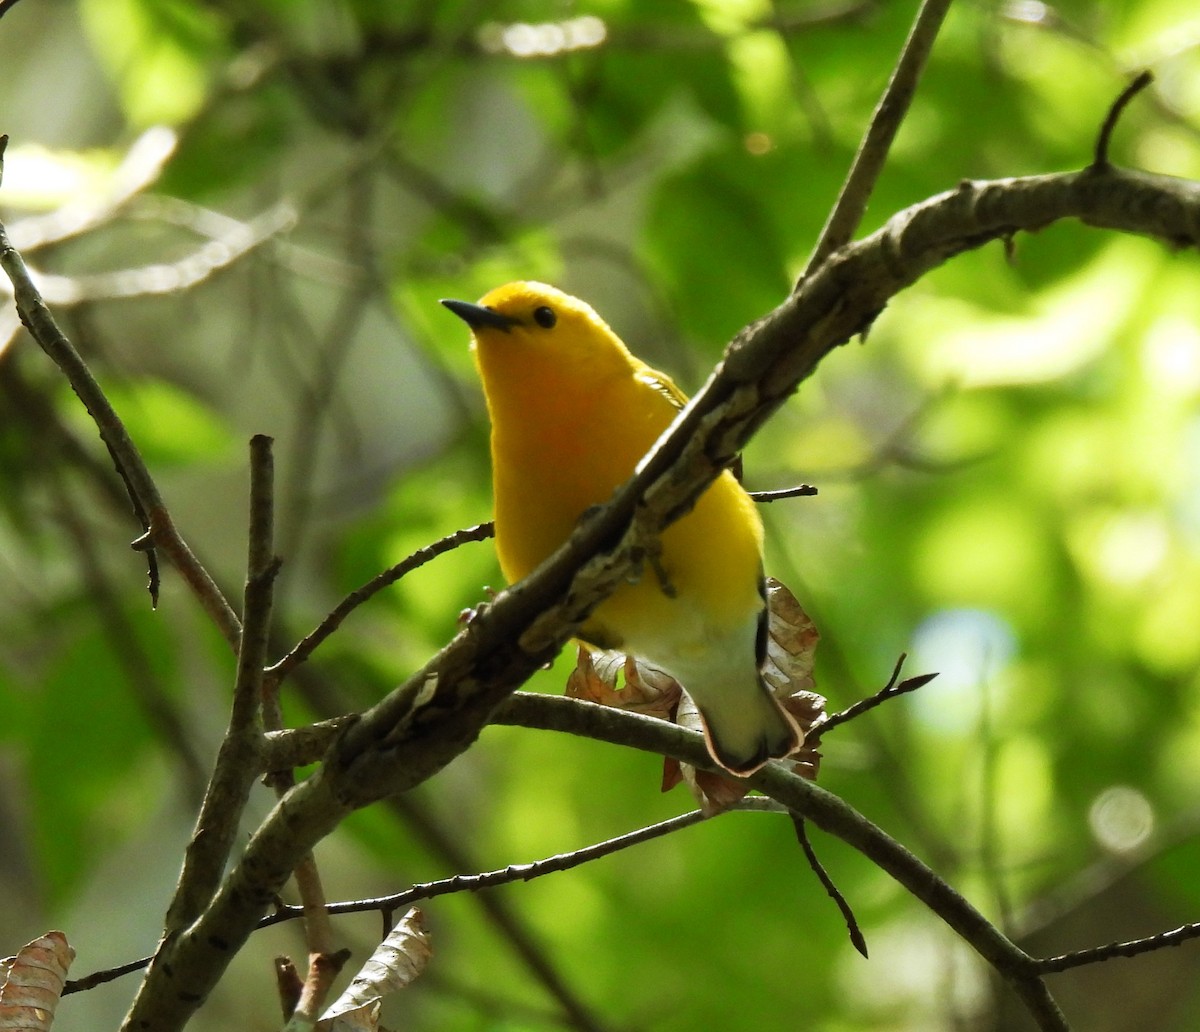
(34,983)
(396,962)
(646,689)
(791,641)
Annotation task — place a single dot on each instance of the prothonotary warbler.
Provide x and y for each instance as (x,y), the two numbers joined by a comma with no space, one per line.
(572,413)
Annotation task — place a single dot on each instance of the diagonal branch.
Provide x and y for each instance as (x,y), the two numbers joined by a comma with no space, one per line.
(808,800)
(200,264)
(309,643)
(434,716)
(160,531)
(856,191)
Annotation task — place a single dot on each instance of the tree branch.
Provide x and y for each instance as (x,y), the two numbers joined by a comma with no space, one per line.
(893,689)
(1140,82)
(418,728)
(309,643)
(160,531)
(851,205)
(503,913)
(815,804)
(239,759)
(1133,948)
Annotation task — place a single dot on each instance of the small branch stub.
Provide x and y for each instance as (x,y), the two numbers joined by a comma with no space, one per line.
(1100,161)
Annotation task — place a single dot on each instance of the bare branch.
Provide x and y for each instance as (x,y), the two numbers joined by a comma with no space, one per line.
(239,760)
(1133,948)
(438,712)
(1114,113)
(808,800)
(506,875)
(152,510)
(501,911)
(831,889)
(308,644)
(856,191)
(468,882)
(893,689)
(82,985)
(799,491)
(323,962)
(298,746)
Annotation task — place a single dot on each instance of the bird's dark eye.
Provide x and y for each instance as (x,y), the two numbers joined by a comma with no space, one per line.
(544,317)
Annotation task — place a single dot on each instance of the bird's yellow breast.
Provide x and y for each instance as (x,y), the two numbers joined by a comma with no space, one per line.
(568,428)
(572,413)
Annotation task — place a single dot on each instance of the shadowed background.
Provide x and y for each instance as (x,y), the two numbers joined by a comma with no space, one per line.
(251,210)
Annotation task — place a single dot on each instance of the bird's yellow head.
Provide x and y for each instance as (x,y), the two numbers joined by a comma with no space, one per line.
(531,330)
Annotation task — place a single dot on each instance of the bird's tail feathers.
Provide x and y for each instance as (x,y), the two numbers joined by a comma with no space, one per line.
(744,737)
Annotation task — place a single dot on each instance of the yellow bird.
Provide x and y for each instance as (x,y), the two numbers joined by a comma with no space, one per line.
(572,414)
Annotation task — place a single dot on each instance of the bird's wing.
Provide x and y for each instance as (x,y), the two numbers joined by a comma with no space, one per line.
(662,384)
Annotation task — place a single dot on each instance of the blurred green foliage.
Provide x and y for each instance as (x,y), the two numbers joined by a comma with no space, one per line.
(1009,474)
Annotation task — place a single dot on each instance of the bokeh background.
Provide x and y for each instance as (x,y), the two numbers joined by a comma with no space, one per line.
(244,212)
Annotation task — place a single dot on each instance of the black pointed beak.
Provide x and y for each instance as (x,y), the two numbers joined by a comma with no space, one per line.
(478,317)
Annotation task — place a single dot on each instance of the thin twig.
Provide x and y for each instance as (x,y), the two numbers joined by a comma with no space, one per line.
(851,205)
(1132,948)
(505,875)
(239,759)
(856,936)
(889,691)
(324,962)
(82,985)
(1144,79)
(308,644)
(465,882)
(318,932)
(262,566)
(158,525)
(909,871)
(506,918)
(799,491)
(427,891)
(818,806)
